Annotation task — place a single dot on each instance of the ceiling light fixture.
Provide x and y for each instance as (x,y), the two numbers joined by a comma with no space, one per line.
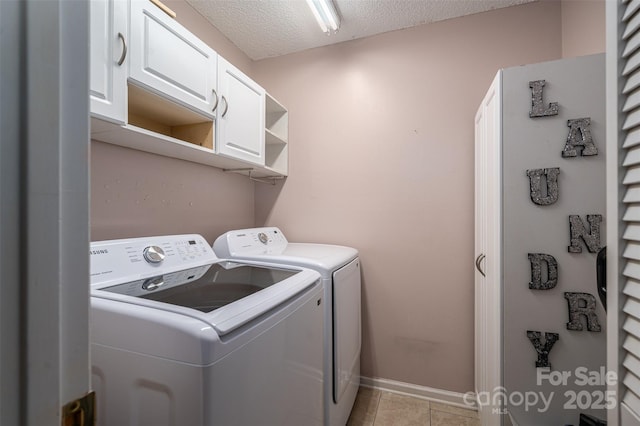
(326,15)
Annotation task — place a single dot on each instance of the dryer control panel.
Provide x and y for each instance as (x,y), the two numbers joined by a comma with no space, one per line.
(116,261)
(266,240)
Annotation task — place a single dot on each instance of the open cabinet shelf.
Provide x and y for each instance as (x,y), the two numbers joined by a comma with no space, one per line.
(159,115)
(276,136)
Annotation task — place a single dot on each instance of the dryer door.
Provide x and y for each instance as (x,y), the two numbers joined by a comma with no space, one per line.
(346,327)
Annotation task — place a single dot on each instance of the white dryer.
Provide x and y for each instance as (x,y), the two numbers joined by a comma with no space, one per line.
(180,337)
(339,267)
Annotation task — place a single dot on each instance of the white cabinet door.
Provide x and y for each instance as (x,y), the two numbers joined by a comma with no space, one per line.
(169,60)
(241,119)
(108,60)
(488,326)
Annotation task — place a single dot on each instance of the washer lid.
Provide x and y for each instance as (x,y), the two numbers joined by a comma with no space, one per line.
(230,293)
(323,258)
(270,245)
(316,256)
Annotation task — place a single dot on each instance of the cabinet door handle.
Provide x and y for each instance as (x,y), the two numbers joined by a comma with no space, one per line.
(226,106)
(601,276)
(215,104)
(479,260)
(124,49)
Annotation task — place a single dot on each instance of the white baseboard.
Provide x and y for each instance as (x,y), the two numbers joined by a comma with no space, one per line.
(424,392)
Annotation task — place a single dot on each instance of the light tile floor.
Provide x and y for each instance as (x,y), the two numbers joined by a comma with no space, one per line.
(377,408)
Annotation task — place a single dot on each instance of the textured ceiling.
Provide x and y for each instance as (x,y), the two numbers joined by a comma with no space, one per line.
(267,28)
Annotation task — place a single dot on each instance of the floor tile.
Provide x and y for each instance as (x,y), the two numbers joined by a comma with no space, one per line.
(378,408)
(451,409)
(401,410)
(364,408)
(442,418)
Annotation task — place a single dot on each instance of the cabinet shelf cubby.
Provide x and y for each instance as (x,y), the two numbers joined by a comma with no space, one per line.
(276,136)
(159,115)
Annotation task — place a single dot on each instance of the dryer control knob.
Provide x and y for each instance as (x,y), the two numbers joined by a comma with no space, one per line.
(264,239)
(153,254)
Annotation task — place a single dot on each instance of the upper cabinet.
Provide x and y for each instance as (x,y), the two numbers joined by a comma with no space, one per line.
(108,38)
(169,60)
(158,88)
(240,116)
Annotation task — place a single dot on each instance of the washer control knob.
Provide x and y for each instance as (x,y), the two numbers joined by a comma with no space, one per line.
(263,238)
(153,283)
(153,254)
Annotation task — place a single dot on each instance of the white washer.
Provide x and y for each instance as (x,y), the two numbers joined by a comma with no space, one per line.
(339,267)
(180,337)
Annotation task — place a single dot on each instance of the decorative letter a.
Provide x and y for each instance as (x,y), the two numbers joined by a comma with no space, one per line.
(579,136)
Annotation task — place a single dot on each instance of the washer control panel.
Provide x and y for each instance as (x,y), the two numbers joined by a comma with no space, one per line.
(124,260)
(267,240)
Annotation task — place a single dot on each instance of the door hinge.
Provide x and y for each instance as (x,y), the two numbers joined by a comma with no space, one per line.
(80,412)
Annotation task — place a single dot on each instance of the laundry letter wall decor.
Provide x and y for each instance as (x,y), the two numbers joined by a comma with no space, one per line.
(582,305)
(542,349)
(550,186)
(578,231)
(537,103)
(537,260)
(543,186)
(579,139)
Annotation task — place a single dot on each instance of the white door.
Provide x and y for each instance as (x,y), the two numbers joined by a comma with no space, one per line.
(240,115)
(108,61)
(488,274)
(623,201)
(44,225)
(168,59)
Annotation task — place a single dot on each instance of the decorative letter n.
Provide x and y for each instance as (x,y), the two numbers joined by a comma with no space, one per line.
(577,231)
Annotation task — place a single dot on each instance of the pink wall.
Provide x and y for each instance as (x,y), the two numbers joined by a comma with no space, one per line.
(583,27)
(381,159)
(136,194)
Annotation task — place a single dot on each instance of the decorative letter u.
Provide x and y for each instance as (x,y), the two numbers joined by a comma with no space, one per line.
(550,196)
